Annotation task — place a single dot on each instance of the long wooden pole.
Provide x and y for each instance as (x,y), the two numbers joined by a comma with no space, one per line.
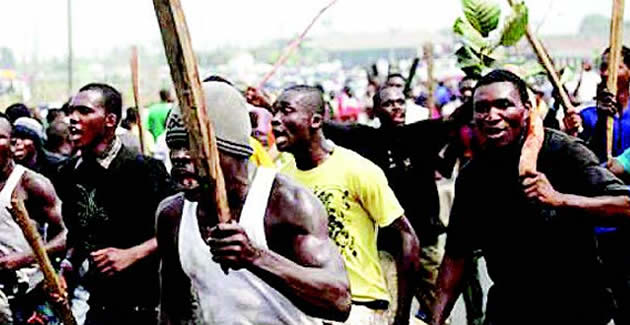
(135,75)
(292,46)
(183,66)
(411,75)
(616,39)
(428,56)
(19,213)
(70,54)
(545,59)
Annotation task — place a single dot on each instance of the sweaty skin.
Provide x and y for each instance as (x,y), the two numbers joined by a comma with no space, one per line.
(41,202)
(302,262)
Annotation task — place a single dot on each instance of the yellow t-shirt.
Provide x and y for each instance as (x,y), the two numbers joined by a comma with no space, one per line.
(358,200)
(260,157)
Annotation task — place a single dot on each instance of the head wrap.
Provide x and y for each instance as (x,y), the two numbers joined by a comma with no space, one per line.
(29,128)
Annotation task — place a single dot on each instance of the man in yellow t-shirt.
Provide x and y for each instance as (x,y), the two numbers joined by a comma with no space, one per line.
(358,201)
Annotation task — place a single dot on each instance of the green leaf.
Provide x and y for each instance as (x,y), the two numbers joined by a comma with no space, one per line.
(469,61)
(483,15)
(470,36)
(515,25)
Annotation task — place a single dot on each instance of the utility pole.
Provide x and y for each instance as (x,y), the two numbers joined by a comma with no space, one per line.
(69,47)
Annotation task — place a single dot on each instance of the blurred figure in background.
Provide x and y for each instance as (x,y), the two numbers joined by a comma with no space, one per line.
(58,139)
(16,111)
(158,113)
(27,146)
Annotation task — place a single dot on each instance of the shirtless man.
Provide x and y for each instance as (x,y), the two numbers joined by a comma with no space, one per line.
(283,268)
(17,261)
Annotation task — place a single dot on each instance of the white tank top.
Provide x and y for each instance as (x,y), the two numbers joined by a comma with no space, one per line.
(12,239)
(239,298)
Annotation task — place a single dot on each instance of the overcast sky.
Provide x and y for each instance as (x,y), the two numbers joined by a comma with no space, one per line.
(40,26)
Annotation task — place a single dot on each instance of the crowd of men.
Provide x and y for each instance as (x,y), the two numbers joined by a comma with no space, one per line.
(332,221)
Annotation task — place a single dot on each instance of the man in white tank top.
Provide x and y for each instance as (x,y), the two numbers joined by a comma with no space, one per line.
(20,277)
(283,268)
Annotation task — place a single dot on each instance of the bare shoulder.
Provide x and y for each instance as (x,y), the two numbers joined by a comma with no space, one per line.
(295,205)
(38,186)
(170,209)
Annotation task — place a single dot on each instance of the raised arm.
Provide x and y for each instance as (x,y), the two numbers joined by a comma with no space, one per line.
(302,262)
(406,252)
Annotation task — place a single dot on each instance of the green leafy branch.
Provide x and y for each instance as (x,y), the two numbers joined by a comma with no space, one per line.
(481,36)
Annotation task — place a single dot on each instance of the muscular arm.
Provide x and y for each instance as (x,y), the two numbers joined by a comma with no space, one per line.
(609,209)
(302,262)
(406,252)
(311,273)
(44,205)
(177,301)
(449,286)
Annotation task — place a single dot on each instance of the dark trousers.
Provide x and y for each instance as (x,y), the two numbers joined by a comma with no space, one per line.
(99,315)
(613,249)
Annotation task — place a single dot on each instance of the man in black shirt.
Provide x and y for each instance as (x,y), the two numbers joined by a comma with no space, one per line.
(408,154)
(110,196)
(535,232)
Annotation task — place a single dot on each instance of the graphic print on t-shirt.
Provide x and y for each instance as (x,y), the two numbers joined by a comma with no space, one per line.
(90,215)
(336,201)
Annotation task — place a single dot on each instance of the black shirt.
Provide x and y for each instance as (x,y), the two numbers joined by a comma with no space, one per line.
(114,207)
(409,157)
(543,261)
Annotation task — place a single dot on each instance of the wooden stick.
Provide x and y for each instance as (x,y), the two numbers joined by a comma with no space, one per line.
(292,46)
(136,96)
(545,59)
(21,217)
(411,75)
(183,65)
(614,59)
(428,55)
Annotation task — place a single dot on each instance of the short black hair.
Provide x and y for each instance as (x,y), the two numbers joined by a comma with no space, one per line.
(57,134)
(217,78)
(625,54)
(112,100)
(53,113)
(505,76)
(469,77)
(376,99)
(130,118)
(314,93)
(17,110)
(165,94)
(394,75)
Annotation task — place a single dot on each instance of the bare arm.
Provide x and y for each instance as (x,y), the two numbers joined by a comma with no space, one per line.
(608,209)
(42,202)
(449,285)
(177,301)
(612,209)
(406,252)
(111,260)
(302,262)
